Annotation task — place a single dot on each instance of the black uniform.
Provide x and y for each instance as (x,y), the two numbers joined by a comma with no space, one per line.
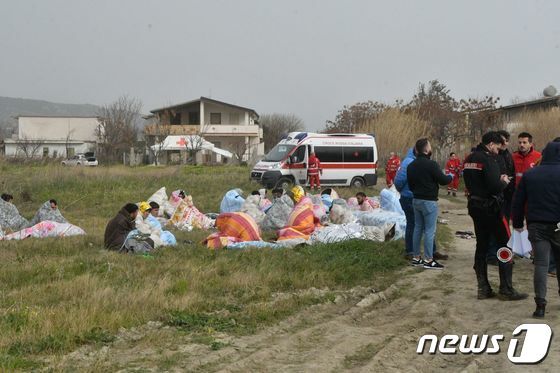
(507,167)
(482,178)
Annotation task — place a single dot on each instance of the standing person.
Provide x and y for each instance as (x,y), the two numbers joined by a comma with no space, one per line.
(313,171)
(453,168)
(424,177)
(486,185)
(538,199)
(526,157)
(391,168)
(401,184)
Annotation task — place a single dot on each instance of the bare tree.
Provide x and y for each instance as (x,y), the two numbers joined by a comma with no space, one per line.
(68,141)
(117,131)
(29,147)
(156,133)
(194,142)
(275,125)
(239,149)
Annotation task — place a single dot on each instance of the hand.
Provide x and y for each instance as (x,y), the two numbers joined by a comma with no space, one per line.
(505,179)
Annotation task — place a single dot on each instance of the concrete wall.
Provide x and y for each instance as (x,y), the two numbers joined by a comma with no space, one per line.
(13,150)
(57,128)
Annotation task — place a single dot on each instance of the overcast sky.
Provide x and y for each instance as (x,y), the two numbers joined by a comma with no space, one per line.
(292,56)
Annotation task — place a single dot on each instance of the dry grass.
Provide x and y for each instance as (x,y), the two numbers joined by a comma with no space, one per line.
(58,294)
(395,131)
(544,125)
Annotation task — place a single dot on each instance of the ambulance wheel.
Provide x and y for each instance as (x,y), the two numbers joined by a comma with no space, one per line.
(284,183)
(358,182)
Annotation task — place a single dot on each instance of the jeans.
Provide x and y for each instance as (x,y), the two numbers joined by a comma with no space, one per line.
(406,204)
(545,241)
(425,220)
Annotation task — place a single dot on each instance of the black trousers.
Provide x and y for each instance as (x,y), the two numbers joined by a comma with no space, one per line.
(488,223)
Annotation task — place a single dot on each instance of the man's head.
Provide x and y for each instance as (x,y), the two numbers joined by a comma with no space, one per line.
(505,137)
(255,193)
(493,141)
(7,197)
(182,194)
(392,154)
(131,209)
(423,146)
(361,197)
(277,193)
(556,139)
(155,208)
(53,203)
(524,142)
(452,155)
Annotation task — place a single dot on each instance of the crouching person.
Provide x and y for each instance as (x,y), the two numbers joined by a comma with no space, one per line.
(118,230)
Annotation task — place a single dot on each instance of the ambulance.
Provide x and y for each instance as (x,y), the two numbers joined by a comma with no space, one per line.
(346,160)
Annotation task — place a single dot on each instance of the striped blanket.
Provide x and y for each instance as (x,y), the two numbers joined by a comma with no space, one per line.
(302,222)
(233,227)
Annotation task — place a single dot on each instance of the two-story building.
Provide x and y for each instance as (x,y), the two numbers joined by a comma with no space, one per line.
(226,126)
(52,136)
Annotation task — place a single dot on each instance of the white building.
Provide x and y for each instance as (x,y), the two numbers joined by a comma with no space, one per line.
(227,126)
(52,136)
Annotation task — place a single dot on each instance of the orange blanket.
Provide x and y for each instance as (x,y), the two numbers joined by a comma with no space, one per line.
(302,222)
(233,227)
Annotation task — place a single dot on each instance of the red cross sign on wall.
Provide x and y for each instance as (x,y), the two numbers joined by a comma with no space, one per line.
(182,142)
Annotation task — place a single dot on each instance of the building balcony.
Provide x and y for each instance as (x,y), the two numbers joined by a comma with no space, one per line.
(208,130)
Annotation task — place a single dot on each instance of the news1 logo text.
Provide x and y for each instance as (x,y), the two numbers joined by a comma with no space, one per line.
(532,350)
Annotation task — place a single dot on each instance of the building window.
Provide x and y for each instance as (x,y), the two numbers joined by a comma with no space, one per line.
(176,119)
(45,152)
(215,118)
(234,118)
(194,117)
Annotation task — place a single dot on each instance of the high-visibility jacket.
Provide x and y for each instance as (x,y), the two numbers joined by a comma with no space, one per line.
(393,165)
(524,162)
(313,165)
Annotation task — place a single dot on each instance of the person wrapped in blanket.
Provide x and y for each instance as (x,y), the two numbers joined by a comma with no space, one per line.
(166,237)
(302,221)
(118,232)
(147,225)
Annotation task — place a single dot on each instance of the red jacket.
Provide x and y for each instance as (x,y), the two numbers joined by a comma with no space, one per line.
(524,162)
(453,166)
(393,164)
(314,165)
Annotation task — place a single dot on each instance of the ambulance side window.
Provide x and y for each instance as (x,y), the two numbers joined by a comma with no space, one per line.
(299,155)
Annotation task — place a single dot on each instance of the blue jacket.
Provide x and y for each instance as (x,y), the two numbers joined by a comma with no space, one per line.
(401,182)
(540,189)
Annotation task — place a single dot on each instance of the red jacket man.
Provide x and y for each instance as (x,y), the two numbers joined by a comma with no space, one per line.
(313,170)
(453,167)
(526,157)
(391,169)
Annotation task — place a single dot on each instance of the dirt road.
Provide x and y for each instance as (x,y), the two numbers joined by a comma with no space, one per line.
(362,330)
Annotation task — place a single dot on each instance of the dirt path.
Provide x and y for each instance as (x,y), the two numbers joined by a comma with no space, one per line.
(362,331)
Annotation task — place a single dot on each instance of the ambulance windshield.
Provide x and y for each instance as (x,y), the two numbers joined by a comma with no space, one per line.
(278,153)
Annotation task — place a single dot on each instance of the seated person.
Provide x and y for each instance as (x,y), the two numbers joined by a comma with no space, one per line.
(364,203)
(120,226)
(166,237)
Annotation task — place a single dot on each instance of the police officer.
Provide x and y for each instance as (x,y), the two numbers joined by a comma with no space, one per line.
(486,184)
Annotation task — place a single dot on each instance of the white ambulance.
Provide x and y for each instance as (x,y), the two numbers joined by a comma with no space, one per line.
(346,160)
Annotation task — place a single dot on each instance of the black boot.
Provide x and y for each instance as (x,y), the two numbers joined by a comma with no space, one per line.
(484,288)
(541,305)
(507,292)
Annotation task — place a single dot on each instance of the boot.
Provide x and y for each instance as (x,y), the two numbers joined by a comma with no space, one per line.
(541,305)
(484,288)
(507,292)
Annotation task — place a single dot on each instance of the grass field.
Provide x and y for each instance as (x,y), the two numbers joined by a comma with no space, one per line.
(58,294)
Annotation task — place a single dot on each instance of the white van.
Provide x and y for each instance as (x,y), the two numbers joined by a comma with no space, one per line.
(346,160)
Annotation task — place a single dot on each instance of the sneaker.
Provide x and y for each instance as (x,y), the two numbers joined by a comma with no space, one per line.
(417,262)
(432,265)
(440,256)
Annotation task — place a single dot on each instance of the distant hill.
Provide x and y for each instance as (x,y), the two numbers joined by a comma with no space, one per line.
(10,107)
